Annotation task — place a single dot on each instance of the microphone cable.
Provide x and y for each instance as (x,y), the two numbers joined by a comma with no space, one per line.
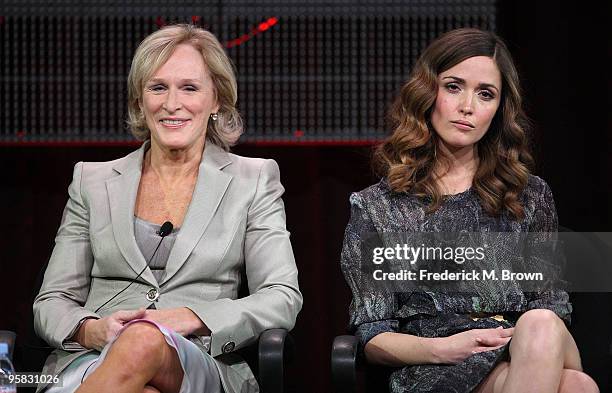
(165,230)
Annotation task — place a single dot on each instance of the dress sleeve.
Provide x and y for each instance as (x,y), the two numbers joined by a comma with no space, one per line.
(372,308)
(545,221)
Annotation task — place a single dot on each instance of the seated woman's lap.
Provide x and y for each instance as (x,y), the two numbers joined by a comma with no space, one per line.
(142,352)
(534,329)
(196,369)
(541,331)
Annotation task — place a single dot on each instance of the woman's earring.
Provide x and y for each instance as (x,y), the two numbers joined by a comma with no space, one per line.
(214,116)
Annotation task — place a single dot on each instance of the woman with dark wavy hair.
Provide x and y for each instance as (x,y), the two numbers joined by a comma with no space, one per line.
(458,161)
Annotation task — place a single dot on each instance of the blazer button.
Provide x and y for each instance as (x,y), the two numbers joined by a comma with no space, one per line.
(152,294)
(228,347)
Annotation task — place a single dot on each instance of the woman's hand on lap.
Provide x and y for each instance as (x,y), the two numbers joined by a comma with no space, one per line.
(458,347)
(96,333)
(182,320)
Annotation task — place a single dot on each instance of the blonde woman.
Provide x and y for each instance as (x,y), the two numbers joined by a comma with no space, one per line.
(132,311)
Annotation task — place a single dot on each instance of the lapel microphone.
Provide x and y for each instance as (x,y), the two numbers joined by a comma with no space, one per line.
(164,231)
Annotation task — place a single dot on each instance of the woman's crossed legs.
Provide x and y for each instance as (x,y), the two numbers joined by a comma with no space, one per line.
(544,359)
(140,360)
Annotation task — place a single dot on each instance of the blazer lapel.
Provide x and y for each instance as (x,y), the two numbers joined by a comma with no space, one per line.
(209,190)
(122,191)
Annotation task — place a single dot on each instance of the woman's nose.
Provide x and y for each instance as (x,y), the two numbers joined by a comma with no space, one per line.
(466,105)
(172,102)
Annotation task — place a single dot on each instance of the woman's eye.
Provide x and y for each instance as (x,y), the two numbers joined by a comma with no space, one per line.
(487,95)
(191,88)
(156,88)
(452,87)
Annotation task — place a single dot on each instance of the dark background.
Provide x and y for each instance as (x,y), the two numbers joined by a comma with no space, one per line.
(307,71)
(562,51)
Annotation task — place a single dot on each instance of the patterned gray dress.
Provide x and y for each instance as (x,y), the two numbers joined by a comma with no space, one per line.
(378,209)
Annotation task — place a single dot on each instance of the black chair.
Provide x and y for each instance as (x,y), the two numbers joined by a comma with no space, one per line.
(344,364)
(350,371)
(275,351)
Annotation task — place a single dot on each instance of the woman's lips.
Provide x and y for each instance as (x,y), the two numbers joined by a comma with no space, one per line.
(462,126)
(174,124)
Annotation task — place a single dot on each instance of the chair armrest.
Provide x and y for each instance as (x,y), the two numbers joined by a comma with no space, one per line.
(276,348)
(344,364)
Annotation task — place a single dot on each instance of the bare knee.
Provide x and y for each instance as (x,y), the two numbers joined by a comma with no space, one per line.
(142,345)
(539,332)
(577,382)
(539,320)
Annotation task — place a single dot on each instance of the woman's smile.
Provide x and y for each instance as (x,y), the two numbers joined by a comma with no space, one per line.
(175,123)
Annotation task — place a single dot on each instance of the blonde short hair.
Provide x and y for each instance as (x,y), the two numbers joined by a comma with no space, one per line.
(156,49)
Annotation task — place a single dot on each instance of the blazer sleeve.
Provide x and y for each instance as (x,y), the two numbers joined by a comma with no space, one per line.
(58,307)
(275,298)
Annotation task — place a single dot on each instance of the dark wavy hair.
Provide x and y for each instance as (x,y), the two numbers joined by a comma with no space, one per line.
(407,158)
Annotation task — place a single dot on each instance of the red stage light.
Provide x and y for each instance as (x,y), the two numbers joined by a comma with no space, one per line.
(263,26)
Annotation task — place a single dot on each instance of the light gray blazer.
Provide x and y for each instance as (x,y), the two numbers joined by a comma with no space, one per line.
(235,223)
